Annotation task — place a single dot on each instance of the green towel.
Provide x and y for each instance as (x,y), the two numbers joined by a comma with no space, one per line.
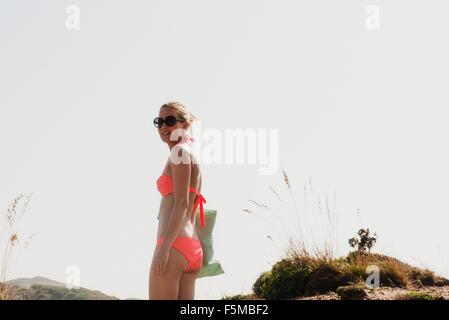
(210,267)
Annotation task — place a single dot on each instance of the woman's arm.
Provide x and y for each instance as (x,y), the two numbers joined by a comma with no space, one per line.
(181,183)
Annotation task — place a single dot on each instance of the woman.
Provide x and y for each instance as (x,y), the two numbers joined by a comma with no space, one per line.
(178,255)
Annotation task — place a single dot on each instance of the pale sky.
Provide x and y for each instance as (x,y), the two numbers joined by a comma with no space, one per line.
(360,110)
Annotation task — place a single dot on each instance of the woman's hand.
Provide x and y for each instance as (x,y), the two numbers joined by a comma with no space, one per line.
(160,259)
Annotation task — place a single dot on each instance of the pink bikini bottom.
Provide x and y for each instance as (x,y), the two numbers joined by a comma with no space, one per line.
(190,248)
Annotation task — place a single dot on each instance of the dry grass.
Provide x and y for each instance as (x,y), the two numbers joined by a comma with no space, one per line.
(317,257)
(5,292)
(291,227)
(9,239)
(393,272)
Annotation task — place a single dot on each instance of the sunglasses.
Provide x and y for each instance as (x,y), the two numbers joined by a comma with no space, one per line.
(170,121)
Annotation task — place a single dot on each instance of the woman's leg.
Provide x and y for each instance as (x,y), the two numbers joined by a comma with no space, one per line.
(187,286)
(165,286)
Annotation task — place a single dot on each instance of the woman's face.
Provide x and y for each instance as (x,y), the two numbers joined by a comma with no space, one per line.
(165,131)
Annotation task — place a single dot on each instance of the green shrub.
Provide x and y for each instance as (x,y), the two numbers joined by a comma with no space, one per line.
(287,279)
(426,277)
(416,295)
(258,286)
(302,273)
(328,277)
(352,292)
(441,282)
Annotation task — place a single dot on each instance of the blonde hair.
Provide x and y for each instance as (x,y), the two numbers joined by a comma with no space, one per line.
(183,113)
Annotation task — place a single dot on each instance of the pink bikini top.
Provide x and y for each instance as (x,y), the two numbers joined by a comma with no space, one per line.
(165,187)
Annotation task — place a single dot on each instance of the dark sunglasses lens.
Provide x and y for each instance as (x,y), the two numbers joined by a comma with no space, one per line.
(158,122)
(170,121)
